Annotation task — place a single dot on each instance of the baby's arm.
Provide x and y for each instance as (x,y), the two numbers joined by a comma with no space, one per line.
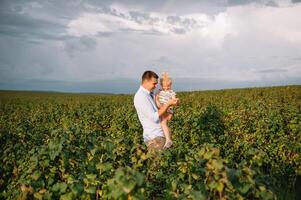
(173,94)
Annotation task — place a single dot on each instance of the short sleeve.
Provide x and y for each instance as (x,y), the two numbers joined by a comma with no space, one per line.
(172,94)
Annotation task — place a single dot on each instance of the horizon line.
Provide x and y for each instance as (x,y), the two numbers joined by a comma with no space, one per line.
(108,93)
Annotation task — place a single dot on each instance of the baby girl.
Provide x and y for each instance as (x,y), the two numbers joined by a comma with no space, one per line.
(162,97)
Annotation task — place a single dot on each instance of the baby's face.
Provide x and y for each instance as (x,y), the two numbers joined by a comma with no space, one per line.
(166,85)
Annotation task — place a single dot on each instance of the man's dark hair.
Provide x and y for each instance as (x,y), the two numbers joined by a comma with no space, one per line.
(147,75)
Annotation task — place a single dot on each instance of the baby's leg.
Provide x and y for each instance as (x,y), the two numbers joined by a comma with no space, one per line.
(169,116)
(166,131)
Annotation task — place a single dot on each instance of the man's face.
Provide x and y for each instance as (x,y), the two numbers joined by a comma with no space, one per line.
(150,84)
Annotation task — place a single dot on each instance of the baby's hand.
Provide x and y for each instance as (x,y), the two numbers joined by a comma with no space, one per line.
(173,101)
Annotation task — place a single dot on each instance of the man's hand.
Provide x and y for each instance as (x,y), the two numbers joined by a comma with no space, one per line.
(173,102)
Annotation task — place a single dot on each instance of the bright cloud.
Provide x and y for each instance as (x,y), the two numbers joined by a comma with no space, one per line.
(281,23)
(213,28)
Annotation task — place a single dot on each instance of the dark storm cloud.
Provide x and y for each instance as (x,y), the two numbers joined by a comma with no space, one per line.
(296,58)
(178,30)
(60,9)
(240,2)
(184,23)
(105,34)
(156,4)
(173,19)
(164,60)
(152,32)
(186,6)
(275,70)
(113,86)
(80,44)
(296,1)
(139,17)
(165,6)
(183,84)
(271,4)
(24,26)
(8,20)
(14,24)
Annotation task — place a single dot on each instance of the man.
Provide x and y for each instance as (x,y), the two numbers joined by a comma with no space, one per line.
(148,113)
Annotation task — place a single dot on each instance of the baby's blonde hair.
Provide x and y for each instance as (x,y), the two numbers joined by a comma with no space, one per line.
(164,78)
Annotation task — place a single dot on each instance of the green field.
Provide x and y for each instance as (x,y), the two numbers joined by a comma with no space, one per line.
(228,144)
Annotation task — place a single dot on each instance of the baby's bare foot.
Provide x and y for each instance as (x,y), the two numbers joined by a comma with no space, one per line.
(168,144)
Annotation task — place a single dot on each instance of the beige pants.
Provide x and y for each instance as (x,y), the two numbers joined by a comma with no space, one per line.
(156,144)
(154,147)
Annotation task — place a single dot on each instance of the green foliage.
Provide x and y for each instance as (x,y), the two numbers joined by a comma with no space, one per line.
(228,144)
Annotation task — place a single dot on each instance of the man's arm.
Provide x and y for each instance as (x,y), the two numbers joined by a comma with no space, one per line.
(145,108)
(164,108)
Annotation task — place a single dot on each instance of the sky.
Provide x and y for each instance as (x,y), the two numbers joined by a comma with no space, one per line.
(105,46)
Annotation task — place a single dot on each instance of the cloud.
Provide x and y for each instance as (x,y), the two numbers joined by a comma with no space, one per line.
(81,44)
(271,3)
(94,23)
(165,62)
(297,58)
(272,71)
(139,17)
(215,47)
(126,21)
(240,2)
(25,26)
(210,7)
(222,43)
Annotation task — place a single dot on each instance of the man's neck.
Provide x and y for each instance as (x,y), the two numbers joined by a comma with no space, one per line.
(146,88)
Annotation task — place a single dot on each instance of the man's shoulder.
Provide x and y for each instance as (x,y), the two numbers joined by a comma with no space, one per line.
(139,92)
(138,95)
